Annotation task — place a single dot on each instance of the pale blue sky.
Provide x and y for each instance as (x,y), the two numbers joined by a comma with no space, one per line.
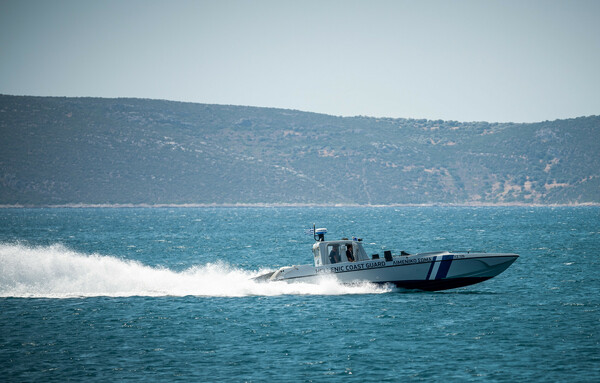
(519,61)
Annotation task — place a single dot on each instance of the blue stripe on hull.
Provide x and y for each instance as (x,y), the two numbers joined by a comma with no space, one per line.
(444,267)
(430,269)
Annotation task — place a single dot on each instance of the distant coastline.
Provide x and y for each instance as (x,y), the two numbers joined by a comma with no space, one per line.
(284,205)
(76,152)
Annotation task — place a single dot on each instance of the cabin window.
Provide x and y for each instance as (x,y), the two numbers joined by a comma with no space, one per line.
(334,253)
(317,254)
(349,253)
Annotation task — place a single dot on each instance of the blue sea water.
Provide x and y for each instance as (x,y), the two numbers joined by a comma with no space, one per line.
(164,294)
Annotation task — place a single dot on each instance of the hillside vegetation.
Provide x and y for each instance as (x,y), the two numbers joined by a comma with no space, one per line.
(132,151)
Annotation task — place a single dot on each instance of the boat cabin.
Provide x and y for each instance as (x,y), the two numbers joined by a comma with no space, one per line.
(331,252)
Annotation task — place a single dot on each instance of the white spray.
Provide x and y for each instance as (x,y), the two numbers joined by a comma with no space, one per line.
(58,272)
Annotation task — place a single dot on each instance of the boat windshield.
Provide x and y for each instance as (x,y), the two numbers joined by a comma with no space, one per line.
(330,253)
(343,252)
(334,253)
(317,255)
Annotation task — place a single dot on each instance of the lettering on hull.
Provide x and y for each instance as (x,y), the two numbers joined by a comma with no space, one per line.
(445,260)
(353,267)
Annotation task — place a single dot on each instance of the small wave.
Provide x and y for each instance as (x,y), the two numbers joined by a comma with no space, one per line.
(58,272)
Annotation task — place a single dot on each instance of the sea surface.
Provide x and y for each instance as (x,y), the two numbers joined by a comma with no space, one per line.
(165,294)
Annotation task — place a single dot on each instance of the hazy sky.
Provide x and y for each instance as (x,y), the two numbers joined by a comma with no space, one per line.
(516,61)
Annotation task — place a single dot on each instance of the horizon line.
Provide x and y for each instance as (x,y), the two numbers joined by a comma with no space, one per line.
(296,110)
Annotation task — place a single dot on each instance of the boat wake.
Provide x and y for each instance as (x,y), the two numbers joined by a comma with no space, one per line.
(58,272)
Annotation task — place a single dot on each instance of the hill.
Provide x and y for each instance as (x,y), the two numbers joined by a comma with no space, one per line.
(135,151)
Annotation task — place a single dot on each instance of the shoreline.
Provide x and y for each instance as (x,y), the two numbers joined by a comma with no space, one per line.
(284,205)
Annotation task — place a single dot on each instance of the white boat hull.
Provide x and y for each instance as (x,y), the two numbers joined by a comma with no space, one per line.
(427,271)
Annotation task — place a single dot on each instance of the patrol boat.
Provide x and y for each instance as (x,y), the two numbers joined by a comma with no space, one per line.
(347,260)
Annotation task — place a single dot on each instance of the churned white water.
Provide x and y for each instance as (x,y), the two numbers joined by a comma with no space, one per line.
(58,272)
